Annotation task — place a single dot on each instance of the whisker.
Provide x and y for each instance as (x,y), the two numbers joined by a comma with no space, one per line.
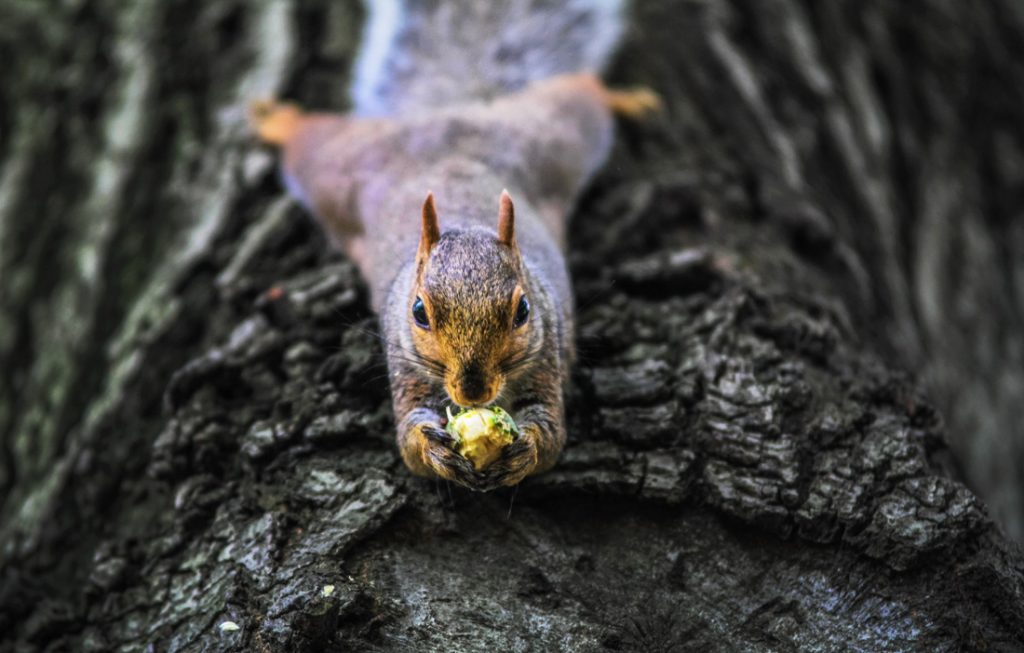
(512,500)
(519,360)
(394,350)
(596,294)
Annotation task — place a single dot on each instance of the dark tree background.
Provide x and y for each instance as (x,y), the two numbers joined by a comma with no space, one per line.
(801,300)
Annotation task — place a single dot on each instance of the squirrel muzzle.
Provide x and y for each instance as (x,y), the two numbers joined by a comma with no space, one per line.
(471,387)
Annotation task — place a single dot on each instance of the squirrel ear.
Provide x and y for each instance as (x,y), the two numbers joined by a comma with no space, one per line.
(430,232)
(506,221)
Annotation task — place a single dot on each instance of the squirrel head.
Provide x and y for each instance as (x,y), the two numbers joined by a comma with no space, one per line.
(469,313)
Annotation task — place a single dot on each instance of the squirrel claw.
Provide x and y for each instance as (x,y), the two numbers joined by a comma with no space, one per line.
(517,461)
(437,435)
(446,462)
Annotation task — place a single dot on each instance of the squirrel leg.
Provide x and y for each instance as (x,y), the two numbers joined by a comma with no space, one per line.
(634,104)
(274,122)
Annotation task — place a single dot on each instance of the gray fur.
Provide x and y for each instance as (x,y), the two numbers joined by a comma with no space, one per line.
(418,55)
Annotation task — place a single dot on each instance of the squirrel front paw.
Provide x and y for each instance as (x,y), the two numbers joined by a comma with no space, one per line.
(517,461)
(435,451)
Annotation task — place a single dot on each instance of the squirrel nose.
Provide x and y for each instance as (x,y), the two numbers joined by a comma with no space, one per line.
(473,386)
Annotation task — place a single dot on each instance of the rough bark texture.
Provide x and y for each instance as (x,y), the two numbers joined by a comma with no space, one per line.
(194,414)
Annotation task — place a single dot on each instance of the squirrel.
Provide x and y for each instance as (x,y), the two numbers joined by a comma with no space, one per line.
(471,288)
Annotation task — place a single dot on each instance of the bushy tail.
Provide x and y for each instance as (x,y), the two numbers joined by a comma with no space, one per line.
(424,54)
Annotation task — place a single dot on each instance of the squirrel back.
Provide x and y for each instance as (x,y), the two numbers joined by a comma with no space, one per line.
(420,55)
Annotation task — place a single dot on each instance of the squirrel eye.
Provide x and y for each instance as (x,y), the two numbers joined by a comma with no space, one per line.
(419,314)
(522,312)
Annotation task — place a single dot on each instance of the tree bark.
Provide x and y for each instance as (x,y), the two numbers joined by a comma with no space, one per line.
(197,441)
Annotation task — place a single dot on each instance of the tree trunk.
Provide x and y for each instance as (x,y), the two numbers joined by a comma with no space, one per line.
(197,441)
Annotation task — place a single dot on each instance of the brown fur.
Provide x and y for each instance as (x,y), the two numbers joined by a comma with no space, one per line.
(467,262)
